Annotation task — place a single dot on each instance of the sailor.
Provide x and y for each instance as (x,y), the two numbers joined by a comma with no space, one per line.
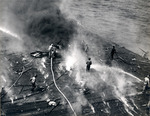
(113,51)
(3,90)
(50,48)
(146,83)
(53,54)
(86,48)
(33,82)
(88,64)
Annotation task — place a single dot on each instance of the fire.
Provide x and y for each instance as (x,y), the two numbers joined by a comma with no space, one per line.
(70,61)
(42,66)
(10,33)
(12,100)
(41,70)
(92,108)
(43,62)
(46,76)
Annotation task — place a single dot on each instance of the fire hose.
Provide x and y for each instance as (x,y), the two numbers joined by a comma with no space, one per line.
(23,71)
(59,89)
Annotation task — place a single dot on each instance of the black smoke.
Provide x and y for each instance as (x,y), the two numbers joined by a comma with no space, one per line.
(43,22)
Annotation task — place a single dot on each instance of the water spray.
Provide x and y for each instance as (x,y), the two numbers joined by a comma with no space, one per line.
(3,78)
(132,76)
(95,66)
(59,89)
(10,33)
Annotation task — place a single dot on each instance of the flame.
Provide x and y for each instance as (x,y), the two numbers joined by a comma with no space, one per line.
(43,60)
(134,104)
(9,33)
(92,108)
(46,76)
(12,100)
(126,105)
(41,70)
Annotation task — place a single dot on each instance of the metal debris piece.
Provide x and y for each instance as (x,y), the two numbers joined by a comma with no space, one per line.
(38,109)
(138,66)
(52,103)
(134,59)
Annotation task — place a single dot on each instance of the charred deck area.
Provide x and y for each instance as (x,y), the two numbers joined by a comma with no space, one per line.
(27,103)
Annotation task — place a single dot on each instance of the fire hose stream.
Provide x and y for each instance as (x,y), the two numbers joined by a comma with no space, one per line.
(59,89)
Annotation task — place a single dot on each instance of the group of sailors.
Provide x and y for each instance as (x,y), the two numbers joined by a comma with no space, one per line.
(52,53)
(89,62)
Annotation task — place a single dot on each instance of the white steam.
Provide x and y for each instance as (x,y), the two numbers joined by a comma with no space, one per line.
(109,82)
(75,57)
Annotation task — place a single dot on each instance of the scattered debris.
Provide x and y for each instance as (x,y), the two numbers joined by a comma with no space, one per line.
(134,59)
(148,105)
(38,109)
(138,66)
(39,54)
